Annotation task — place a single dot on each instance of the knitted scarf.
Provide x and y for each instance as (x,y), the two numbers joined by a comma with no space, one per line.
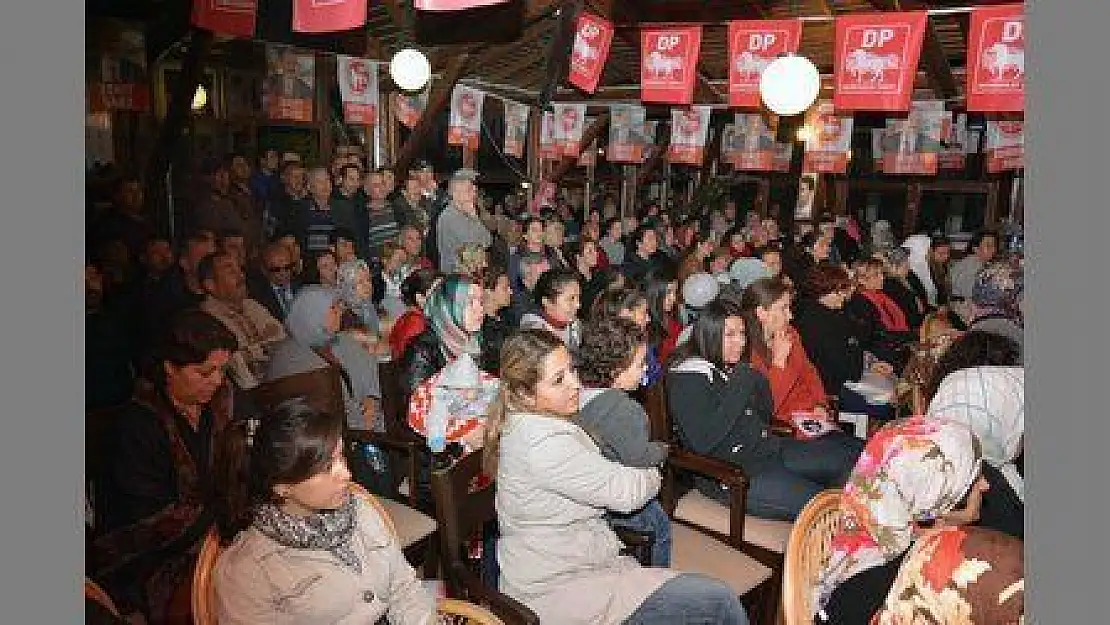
(330,530)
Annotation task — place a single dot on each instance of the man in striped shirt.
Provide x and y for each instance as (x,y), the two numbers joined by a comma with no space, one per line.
(381,220)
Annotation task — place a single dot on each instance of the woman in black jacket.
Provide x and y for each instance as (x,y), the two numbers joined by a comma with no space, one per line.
(722,408)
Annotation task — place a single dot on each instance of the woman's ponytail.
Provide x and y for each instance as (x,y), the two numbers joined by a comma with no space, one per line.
(231,478)
(495,421)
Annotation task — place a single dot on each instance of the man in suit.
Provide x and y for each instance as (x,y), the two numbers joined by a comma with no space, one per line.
(272,284)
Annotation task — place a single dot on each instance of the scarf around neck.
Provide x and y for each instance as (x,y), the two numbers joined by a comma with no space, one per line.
(330,530)
(890,315)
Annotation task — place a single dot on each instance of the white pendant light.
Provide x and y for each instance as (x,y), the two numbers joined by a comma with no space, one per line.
(409,69)
(790,84)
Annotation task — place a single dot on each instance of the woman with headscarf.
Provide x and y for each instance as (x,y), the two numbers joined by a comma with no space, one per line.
(454,313)
(996,300)
(990,401)
(913,474)
(355,287)
(315,341)
(902,286)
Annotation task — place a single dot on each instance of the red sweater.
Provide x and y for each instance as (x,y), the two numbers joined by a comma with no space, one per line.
(408,326)
(796,387)
(666,348)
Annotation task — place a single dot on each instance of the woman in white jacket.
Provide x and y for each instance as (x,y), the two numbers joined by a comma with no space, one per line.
(556,552)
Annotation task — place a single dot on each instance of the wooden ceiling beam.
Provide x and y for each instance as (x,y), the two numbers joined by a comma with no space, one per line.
(588,135)
(932,52)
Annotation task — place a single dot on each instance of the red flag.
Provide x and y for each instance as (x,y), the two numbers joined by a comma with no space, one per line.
(227,17)
(327,16)
(453,5)
(752,45)
(592,38)
(996,59)
(876,60)
(668,62)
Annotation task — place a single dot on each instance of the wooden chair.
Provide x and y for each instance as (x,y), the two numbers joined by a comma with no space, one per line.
(762,541)
(807,553)
(463,513)
(457,612)
(96,593)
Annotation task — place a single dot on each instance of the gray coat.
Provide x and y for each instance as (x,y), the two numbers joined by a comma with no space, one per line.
(619,426)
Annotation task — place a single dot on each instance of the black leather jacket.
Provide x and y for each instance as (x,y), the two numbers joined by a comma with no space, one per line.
(423,358)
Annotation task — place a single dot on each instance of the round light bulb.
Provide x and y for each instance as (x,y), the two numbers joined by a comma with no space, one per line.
(409,69)
(790,84)
(200,98)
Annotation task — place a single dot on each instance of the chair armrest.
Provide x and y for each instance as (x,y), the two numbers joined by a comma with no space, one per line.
(730,476)
(510,610)
(638,543)
(406,448)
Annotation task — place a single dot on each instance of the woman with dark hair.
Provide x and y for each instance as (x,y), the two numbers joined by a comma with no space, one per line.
(976,348)
(777,351)
(496,297)
(661,289)
(322,269)
(150,500)
(558,294)
(303,548)
(828,335)
(411,323)
(557,554)
(630,304)
(722,408)
(603,281)
(612,361)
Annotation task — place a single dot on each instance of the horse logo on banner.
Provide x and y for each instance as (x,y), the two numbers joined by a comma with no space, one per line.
(1000,59)
(749,65)
(996,59)
(864,65)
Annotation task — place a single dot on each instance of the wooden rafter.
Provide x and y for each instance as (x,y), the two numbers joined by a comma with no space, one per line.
(932,52)
(588,135)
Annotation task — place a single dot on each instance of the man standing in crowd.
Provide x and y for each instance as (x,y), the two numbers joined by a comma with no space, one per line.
(256,329)
(380,220)
(459,223)
(981,249)
(180,289)
(411,204)
(292,199)
(245,203)
(645,243)
(126,221)
(274,285)
(317,222)
(347,205)
(226,208)
(412,241)
(532,243)
(532,266)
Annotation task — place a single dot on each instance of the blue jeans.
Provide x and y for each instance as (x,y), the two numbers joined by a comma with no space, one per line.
(808,467)
(650,518)
(690,599)
(851,401)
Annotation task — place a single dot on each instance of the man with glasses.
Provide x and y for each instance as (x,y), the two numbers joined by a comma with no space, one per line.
(274,286)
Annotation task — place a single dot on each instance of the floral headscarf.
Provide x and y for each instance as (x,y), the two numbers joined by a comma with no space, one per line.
(308,313)
(991,402)
(345,285)
(998,289)
(912,470)
(444,309)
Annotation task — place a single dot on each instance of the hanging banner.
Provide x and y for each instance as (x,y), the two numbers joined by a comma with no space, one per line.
(911,145)
(783,157)
(328,16)
(829,140)
(117,78)
(752,45)
(358,88)
(464,126)
(668,62)
(226,17)
(689,130)
(453,5)
(570,122)
(1004,145)
(753,143)
(548,148)
(592,37)
(409,108)
(875,60)
(954,143)
(290,86)
(516,128)
(730,144)
(626,133)
(588,156)
(996,59)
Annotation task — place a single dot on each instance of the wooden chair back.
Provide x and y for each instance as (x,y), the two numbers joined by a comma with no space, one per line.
(393,398)
(458,612)
(654,401)
(203,590)
(322,389)
(96,593)
(807,553)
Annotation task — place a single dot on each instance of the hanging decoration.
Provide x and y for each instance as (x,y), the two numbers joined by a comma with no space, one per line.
(592,37)
(911,145)
(1004,145)
(409,107)
(516,128)
(750,143)
(549,150)
(570,122)
(668,62)
(829,140)
(358,88)
(996,59)
(627,137)
(410,69)
(752,46)
(689,130)
(954,144)
(453,5)
(328,16)
(226,17)
(875,60)
(464,126)
(290,86)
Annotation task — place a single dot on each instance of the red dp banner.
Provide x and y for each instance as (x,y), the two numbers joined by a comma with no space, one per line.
(227,17)
(592,37)
(328,16)
(668,58)
(752,45)
(875,60)
(453,5)
(996,59)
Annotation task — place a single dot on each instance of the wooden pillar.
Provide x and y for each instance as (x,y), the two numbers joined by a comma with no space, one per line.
(763,196)
(913,207)
(840,196)
(325,81)
(990,218)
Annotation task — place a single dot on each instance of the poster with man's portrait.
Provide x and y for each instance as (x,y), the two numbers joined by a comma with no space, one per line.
(807,193)
(290,84)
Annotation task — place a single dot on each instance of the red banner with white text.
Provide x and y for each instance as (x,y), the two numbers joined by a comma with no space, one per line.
(358,88)
(464,126)
(327,16)
(996,59)
(829,141)
(1004,145)
(453,5)
(689,130)
(875,60)
(592,37)
(570,122)
(516,128)
(668,64)
(752,45)
(226,17)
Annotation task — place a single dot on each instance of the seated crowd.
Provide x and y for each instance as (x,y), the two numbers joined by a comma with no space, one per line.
(762,343)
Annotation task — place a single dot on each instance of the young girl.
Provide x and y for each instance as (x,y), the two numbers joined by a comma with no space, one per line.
(612,363)
(559,295)
(661,289)
(557,553)
(412,322)
(303,548)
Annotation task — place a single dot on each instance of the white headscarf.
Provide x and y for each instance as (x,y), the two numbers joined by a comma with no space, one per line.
(991,402)
(918,246)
